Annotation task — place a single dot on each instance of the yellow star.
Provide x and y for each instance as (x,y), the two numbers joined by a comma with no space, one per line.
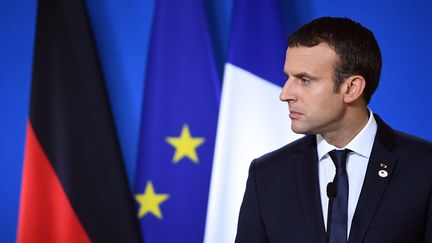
(185,145)
(149,201)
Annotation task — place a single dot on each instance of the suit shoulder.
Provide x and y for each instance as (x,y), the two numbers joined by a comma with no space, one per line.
(413,151)
(402,141)
(413,143)
(285,153)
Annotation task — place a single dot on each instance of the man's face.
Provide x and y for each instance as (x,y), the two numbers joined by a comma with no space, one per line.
(309,90)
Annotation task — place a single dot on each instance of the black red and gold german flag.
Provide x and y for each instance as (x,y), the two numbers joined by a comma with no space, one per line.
(74,186)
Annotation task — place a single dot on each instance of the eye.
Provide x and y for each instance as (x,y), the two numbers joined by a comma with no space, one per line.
(304,80)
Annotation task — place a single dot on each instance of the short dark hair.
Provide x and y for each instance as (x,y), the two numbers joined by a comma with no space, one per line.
(355,45)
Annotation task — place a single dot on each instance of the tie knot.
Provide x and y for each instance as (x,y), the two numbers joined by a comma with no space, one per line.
(339,157)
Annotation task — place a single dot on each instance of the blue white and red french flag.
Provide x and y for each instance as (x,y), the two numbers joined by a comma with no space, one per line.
(252,120)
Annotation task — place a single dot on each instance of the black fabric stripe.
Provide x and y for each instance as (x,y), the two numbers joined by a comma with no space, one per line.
(71,117)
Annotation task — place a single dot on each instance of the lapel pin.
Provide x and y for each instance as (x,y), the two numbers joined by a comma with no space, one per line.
(383,165)
(383,173)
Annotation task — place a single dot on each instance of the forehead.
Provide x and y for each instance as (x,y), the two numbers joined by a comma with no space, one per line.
(314,60)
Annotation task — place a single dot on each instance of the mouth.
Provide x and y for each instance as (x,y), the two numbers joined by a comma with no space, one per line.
(295,114)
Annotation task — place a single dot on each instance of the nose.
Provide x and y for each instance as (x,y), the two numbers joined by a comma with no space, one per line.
(287,94)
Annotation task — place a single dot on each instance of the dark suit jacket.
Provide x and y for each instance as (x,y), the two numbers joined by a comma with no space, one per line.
(282,200)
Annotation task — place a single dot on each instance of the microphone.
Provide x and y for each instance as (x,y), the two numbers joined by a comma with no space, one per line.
(331,194)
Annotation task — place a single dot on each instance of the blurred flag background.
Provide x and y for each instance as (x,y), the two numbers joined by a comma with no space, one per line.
(228,45)
(252,120)
(178,125)
(74,186)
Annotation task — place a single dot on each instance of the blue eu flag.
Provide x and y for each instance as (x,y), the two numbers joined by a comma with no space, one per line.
(178,127)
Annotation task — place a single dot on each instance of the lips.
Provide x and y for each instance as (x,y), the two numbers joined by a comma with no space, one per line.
(295,114)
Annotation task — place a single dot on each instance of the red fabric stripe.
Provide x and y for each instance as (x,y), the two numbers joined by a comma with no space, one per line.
(45,214)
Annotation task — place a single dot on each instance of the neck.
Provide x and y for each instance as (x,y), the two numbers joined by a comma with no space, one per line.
(353,122)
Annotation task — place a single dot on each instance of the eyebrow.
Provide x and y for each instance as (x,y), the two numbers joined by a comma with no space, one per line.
(301,75)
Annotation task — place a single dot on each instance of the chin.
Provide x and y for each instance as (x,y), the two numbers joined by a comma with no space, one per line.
(299,130)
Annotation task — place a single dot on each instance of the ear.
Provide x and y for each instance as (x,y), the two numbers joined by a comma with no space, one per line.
(353,88)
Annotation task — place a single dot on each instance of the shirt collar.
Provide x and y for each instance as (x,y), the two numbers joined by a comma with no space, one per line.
(361,144)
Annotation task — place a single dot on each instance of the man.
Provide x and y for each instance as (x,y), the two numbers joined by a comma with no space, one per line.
(379,180)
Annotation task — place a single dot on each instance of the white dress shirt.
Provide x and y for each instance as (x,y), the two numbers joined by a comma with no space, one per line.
(356,166)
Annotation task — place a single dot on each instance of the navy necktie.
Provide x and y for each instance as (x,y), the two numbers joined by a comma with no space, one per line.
(338,227)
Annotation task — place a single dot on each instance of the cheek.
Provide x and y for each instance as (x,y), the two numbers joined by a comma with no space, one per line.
(323,106)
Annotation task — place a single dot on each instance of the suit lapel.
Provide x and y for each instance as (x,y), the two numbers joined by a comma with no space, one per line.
(308,185)
(374,185)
